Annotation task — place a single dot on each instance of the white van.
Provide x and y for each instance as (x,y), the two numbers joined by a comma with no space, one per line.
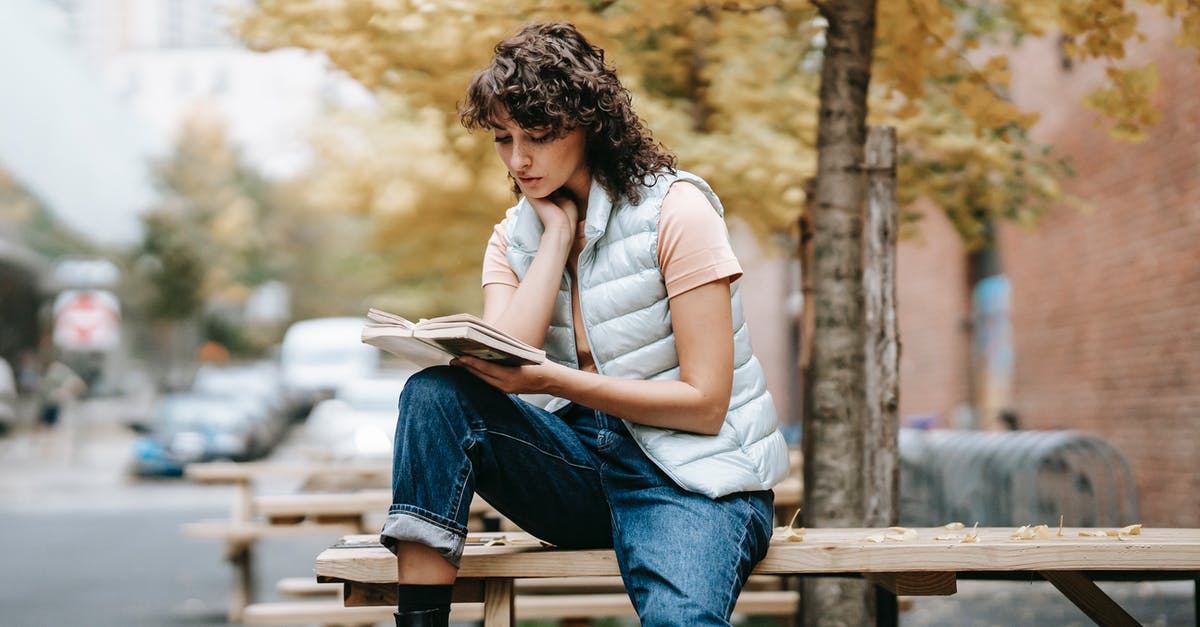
(318,355)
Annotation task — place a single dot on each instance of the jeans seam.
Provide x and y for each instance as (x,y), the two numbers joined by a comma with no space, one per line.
(462,484)
(732,598)
(541,450)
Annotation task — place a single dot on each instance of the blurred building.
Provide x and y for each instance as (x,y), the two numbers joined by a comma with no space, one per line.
(96,89)
(1101,298)
(23,278)
(163,59)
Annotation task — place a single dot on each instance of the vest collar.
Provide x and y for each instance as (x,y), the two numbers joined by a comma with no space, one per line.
(527,231)
(598,210)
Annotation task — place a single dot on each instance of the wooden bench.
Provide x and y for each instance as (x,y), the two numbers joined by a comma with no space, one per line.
(527,606)
(917,566)
(254,517)
(245,526)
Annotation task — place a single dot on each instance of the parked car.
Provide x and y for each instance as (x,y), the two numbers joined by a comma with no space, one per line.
(259,387)
(190,428)
(359,422)
(318,355)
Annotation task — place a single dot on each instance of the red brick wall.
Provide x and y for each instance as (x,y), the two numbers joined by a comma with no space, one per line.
(1106,301)
(932,306)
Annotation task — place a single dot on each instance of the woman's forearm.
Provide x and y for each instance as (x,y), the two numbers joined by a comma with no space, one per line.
(669,404)
(526,314)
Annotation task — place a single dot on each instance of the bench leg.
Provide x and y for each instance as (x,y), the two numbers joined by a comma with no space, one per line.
(1084,593)
(498,603)
(242,559)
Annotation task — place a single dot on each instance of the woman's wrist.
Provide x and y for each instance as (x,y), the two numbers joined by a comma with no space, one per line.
(557,237)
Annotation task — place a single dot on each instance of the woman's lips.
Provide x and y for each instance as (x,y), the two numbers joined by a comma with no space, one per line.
(528,180)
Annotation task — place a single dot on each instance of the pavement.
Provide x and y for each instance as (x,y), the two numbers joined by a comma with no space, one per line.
(86,544)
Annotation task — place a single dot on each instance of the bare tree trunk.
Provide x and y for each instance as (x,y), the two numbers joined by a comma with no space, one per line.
(880,437)
(881,446)
(833,444)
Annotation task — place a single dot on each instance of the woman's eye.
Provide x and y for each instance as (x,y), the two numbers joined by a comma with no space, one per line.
(502,139)
(541,139)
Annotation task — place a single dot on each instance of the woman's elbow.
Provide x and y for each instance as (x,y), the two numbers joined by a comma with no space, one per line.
(713,418)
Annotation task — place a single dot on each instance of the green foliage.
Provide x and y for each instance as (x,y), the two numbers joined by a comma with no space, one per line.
(173,267)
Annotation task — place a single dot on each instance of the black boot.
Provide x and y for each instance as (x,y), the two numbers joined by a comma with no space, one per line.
(437,617)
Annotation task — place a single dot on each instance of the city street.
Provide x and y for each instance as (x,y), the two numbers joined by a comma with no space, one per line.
(87,545)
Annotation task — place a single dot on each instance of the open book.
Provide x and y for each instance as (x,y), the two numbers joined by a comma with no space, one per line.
(438,340)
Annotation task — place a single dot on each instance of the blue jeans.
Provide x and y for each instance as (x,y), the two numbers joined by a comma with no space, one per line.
(576,479)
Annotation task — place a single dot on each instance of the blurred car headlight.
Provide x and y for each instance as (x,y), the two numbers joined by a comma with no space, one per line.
(187,445)
(229,444)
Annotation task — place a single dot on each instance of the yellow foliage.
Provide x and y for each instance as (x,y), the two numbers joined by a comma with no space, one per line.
(730,86)
(1127,101)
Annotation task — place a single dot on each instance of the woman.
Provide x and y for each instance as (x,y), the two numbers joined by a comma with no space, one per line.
(649,430)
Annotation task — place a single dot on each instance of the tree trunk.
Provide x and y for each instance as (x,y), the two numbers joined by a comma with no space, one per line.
(881,436)
(833,444)
(881,445)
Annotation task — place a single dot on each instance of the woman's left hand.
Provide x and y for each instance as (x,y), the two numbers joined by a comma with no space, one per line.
(535,379)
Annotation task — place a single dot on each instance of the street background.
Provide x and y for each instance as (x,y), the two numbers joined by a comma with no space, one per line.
(85,544)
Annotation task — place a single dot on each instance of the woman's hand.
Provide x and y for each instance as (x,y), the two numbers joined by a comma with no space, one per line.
(557,211)
(535,379)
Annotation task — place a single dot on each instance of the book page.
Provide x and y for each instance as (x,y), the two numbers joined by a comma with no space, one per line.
(457,339)
(383,317)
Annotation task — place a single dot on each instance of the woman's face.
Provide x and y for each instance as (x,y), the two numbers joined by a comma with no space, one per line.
(542,165)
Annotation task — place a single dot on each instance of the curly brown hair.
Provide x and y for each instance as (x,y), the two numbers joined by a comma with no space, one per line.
(549,76)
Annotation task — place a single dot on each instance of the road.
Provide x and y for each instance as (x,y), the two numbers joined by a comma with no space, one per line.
(86,545)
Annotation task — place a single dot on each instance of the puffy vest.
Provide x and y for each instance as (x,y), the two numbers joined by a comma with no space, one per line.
(627,320)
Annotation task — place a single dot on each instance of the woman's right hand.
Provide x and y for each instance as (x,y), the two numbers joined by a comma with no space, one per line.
(557,212)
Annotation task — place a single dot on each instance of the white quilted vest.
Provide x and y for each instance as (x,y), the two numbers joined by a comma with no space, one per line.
(627,320)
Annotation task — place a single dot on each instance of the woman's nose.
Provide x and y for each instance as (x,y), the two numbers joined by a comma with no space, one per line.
(519,159)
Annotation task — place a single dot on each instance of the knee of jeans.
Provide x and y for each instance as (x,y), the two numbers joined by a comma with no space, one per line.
(670,612)
(435,384)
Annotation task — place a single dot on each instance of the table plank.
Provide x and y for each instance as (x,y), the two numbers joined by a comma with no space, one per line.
(236,472)
(823,551)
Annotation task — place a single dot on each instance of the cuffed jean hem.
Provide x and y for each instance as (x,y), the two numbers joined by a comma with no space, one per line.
(409,524)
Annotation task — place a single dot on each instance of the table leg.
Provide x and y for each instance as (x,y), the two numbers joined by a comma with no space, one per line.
(498,603)
(241,558)
(886,612)
(1084,593)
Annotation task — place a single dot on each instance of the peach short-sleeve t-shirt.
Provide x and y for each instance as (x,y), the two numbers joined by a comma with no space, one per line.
(693,249)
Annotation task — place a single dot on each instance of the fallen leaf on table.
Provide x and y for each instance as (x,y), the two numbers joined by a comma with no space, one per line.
(971,536)
(1038,532)
(893,534)
(1123,534)
(791,533)
(954,525)
(1126,532)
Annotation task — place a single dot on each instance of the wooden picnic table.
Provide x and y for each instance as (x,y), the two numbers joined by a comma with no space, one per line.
(256,516)
(917,566)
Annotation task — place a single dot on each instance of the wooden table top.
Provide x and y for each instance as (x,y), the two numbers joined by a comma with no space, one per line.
(235,472)
(363,560)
